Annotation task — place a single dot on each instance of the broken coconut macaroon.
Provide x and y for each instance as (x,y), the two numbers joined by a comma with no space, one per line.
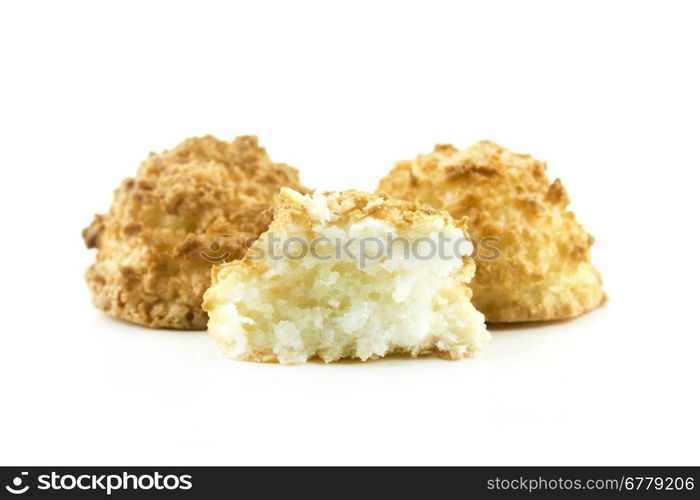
(536,263)
(186,209)
(348,275)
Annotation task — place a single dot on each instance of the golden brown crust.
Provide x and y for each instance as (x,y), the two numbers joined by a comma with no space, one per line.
(543,271)
(200,203)
(353,205)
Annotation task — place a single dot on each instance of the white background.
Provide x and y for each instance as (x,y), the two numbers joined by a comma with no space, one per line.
(606,92)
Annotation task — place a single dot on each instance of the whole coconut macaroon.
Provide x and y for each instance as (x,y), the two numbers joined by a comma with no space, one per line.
(199,204)
(538,265)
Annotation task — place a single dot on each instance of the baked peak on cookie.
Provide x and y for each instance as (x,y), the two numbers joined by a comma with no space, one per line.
(348,275)
(542,270)
(197,204)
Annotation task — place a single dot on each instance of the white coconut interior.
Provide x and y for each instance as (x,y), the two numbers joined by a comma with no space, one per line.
(334,304)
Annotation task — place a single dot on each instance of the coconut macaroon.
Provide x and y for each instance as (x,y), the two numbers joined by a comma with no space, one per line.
(536,263)
(187,208)
(348,275)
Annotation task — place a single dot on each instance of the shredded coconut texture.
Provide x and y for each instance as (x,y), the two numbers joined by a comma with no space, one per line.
(543,270)
(293,306)
(156,245)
